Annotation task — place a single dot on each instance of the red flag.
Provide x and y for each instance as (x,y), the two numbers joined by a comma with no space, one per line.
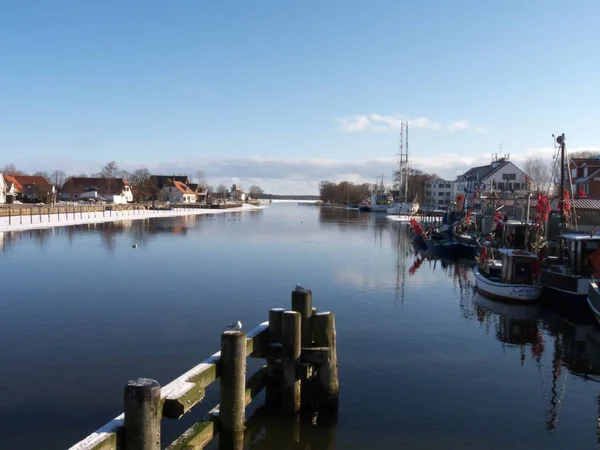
(581,193)
(527,179)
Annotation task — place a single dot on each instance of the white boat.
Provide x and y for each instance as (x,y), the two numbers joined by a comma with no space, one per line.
(511,279)
(402,211)
(593,299)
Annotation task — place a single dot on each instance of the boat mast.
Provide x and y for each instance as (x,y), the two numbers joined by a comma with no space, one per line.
(561,141)
(406,177)
(400,177)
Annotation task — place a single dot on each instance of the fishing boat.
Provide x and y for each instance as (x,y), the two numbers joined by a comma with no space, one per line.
(593,298)
(379,201)
(511,279)
(567,276)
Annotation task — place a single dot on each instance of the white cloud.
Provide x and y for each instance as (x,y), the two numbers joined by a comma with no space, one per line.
(380,123)
(286,175)
(465,125)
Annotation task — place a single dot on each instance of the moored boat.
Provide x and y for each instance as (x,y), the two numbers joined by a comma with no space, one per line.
(511,279)
(593,298)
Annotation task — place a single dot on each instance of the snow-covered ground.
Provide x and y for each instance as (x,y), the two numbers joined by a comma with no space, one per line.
(44,221)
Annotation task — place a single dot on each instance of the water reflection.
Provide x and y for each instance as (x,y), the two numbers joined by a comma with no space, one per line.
(141,231)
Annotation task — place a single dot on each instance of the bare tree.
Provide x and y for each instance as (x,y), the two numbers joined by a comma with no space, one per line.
(10,169)
(110,170)
(200,178)
(538,174)
(255,191)
(140,183)
(58,178)
(42,174)
(221,191)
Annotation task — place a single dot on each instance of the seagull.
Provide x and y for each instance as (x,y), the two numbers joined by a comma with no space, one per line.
(299,288)
(134,245)
(236,326)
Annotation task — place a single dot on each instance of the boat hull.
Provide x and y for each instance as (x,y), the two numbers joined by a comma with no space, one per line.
(444,249)
(566,287)
(593,299)
(520,293)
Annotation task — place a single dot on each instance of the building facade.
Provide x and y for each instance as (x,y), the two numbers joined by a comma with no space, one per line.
(585,177)
(501,175)
(439,193)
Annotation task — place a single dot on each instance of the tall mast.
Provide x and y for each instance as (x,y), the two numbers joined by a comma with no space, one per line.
(400,159)
(561,141)
(406,177)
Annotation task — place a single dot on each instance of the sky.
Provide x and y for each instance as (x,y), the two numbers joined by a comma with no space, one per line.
(285,94)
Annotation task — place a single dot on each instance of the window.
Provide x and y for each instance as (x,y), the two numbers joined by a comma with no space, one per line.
(428,193)
(501,186)
(585,172)
(447,194)
(448,186)
(509,186)
(428,185)
(440,202)
(517,186)
(509,176)
(573,173)
(441,186)
(441,194)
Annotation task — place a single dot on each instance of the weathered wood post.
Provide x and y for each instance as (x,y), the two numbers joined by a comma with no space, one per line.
(142,415)
(302,303)
(273,389)
(232,406)
(30,215)
(327,372)
(291,340)
(9,216)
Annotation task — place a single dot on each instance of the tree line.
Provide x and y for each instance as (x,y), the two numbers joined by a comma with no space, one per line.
(139,180)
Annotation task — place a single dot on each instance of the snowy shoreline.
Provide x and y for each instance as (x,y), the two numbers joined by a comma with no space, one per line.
(36,221)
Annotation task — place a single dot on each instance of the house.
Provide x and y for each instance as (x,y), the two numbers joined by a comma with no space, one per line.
(36,189)
(13,189)
(237,194)
(177,192)
(501,175)
(2,189)
(439,192)
(116,190)
(158,182)
(585,177)
(200,191)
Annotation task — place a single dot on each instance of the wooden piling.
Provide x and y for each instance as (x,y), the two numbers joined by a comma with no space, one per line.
(233,382)
(302,303)
(327,372)
(142,415)
(273,389)
(291,342)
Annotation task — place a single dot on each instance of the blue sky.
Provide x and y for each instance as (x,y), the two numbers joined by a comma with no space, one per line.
(286,93)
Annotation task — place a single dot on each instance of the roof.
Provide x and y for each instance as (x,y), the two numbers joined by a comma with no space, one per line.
(586,179)
(482,172)
(193,186)
(582,237)
(105,186)
(160,181)
(577,203)
(182,187)
(593,161)
(12,179)
(25,180)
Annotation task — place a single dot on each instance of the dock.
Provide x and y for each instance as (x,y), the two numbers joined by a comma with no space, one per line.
(300,374)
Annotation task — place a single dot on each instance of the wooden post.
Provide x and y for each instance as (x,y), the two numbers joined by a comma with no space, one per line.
(48,214)
(143,413)
(9,218)
(291,340)
(273,388)
(302,303)
(30,215)
(233,382)
(327,373)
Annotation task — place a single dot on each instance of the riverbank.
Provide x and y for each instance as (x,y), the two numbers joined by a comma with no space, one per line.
(64,219)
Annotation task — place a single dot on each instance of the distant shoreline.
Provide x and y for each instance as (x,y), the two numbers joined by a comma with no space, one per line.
(35,221)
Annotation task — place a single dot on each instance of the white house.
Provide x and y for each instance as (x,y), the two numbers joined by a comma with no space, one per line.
(237,194)
(439,192)
(2,189)
(116,190)
(177,192)
(501,175)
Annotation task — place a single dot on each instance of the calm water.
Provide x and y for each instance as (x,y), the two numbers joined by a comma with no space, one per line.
(424,363)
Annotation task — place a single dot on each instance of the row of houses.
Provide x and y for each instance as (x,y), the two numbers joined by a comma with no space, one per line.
(504,176)
(169,188)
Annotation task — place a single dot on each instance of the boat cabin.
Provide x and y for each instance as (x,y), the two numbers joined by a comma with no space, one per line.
(516,234)
(581,254)
(518,266)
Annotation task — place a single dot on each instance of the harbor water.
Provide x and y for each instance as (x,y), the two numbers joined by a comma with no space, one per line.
(424,362)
